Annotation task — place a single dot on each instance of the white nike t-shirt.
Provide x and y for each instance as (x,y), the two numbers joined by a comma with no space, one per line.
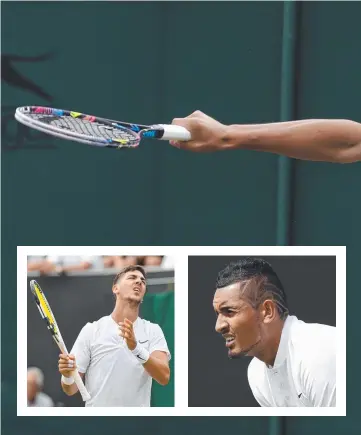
(304,372)
(113,375)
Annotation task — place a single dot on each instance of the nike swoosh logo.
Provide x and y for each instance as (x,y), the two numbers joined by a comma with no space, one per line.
(139,357)
(299,395)
(142,342)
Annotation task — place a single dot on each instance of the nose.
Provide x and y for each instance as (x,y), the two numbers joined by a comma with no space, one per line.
(221,325)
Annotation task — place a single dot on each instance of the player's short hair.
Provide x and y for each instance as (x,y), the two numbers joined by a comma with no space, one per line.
(39,376)
(258,282)
(128,269)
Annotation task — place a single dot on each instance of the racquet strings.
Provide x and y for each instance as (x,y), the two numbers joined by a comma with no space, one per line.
(88,127)
(45,308)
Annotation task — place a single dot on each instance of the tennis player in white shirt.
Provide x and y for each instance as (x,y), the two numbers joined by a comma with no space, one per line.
(119,354)
(294,363)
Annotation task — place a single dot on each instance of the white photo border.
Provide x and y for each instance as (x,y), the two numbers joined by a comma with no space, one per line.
(180,255)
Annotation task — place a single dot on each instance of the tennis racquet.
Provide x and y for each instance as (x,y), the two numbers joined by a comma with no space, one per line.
(96,131)
(49,318)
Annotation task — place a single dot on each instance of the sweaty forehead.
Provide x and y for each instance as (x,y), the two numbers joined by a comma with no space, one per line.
(134,273)
(229,295)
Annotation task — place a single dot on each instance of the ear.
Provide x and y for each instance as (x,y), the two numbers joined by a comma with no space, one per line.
(268,311)
(114,289)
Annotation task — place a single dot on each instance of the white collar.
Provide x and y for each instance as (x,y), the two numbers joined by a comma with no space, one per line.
(283,346)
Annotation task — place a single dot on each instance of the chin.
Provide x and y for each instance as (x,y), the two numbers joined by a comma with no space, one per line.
(234,353)
(238,353)
(135,299)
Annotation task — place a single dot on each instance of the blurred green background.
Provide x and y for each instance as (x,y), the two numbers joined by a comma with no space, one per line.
(149,62)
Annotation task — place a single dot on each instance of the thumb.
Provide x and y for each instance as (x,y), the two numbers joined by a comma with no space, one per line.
(183,122)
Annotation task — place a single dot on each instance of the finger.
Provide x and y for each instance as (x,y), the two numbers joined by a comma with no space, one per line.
(128,322)
(183,122)
(125,334)
(175,143)
(126,327)
(68,364)
(197,114)
(66,367)
(183,145)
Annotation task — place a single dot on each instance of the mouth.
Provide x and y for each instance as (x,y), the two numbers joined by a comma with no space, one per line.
(230,341)
(136,289)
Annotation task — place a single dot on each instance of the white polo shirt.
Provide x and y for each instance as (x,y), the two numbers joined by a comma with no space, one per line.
(113,375)
(304,372)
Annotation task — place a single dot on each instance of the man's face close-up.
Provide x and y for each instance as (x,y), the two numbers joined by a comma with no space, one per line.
(131,286)
(237,321)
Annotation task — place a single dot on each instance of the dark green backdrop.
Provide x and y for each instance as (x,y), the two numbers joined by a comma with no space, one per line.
(149,62)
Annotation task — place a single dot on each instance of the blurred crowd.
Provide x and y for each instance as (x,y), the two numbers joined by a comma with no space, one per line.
(36,396)
(62,264)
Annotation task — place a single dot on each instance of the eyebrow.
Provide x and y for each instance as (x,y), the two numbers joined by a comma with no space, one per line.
(136,276)
(225,306)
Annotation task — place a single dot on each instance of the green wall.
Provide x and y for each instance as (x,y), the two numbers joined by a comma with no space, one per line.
(149,62)
(159,308)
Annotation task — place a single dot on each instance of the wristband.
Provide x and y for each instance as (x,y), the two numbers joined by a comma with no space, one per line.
(67,381)
(141,354)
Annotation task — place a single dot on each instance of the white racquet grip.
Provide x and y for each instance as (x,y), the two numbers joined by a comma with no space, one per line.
(175,132)
(81,387)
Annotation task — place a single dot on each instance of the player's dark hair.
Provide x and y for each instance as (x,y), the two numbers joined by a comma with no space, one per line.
(258,282)
(128,269)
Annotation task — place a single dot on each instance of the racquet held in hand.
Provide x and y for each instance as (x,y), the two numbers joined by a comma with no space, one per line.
(93,130)
(48,316)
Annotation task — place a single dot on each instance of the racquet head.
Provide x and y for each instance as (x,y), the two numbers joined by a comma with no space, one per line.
(45,311)
(93,130)
(48,316)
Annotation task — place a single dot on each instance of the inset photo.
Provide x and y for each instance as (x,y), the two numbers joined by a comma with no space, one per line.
(268,331)
(99,330)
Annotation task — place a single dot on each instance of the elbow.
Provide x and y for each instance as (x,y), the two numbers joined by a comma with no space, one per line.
(164,380)
(349,155)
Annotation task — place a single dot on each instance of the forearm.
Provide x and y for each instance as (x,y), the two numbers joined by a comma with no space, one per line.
(69,390)
(321,140)
(158,370)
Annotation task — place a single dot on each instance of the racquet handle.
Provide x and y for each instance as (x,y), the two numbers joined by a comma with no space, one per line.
(81,387)
(77,378)
(175,132)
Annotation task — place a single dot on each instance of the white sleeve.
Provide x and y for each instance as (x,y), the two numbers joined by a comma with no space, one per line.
(158,341)
(81,348)
(255,379)
(318,381)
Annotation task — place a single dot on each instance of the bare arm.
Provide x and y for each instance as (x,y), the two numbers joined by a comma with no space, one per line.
(157,367)
(331,140)
(318,139)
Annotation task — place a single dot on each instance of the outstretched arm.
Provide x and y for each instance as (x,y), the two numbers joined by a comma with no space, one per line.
(316,139)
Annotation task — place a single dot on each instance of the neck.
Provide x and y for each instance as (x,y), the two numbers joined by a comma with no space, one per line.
(124,309)
(268,352)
